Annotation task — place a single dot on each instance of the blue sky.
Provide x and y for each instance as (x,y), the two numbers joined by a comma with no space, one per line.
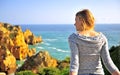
(57,11)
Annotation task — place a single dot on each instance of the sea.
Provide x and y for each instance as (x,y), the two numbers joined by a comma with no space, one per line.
(55,37)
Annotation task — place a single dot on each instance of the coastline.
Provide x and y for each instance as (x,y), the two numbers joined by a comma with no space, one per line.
(49,48)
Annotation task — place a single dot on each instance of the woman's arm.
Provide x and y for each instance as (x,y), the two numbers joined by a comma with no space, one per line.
(107,59)
(74,60)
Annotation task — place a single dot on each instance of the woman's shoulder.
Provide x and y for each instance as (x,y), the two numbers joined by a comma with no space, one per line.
(103,36)
(72,37)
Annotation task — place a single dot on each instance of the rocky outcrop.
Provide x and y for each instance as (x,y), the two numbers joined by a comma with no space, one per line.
(31,52)
(30,38)
(13,46)
(17,41)
(7,61)
(12,37)
(20,49)
(41,59)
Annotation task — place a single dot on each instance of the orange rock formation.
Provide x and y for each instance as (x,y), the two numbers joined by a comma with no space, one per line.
(30,38)
(13,46)
(41,59)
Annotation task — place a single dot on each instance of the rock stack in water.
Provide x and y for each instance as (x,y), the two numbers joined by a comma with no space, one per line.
(14,45)
(30,38)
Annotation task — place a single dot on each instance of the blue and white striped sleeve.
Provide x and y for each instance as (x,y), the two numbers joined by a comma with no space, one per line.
(74,60)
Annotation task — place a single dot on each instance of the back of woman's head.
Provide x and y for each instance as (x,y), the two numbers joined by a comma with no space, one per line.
(86,18)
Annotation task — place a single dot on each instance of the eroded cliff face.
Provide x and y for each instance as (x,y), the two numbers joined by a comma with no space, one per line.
(13,46)
(40,60)
(7,60)
(30,38)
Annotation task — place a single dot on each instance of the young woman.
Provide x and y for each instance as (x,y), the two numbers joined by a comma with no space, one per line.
(88,48)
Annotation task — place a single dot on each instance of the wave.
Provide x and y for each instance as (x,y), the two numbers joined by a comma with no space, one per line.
(47,44)
(60,50)
(50,40)
(40,47)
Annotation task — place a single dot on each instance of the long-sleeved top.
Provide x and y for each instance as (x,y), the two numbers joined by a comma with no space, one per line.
(87,53)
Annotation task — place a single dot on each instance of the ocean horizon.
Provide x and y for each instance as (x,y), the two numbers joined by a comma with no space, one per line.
(55,37)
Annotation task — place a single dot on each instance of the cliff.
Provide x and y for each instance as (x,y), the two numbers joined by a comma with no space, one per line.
(41,60)
(30,38)
(13,46)
(7,61)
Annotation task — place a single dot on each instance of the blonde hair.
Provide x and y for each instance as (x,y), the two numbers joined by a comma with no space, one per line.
(87,19)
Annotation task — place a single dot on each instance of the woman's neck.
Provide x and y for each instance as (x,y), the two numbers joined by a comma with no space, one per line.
(89,33)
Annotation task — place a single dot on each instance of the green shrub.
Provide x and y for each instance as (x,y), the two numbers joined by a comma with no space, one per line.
(53,71)
(65,71)
(49,71)
(67,59)
(25,73)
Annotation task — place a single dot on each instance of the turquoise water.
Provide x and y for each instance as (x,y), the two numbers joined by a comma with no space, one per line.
(55,37)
